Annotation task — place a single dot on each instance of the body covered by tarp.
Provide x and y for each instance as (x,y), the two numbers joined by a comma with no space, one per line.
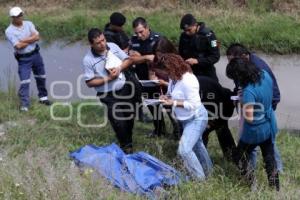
(139,173)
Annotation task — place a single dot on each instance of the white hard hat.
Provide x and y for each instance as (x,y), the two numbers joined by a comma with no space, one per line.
(15,11)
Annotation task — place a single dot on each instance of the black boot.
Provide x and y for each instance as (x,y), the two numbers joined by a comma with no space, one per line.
(273,180)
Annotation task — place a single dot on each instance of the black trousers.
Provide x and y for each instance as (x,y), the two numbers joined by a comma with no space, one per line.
(242,157)
(224,135)
(121,112)
(208,71)
(156,110)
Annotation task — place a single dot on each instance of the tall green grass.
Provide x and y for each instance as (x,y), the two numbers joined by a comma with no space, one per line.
(270,32)
(35,164)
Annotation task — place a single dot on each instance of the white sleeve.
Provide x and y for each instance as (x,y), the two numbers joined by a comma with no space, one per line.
(11,38)
(169,87)
(191,93)
(32,28)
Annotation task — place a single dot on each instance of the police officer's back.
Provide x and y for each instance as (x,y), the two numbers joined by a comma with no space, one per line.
(199,47)
(220,107)
(113,31)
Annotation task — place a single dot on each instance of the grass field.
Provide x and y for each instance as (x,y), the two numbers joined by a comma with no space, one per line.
(34,162)
(261,26)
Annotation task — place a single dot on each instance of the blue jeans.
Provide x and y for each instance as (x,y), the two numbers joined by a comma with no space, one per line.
(191,147)
(35,64)
(277,157)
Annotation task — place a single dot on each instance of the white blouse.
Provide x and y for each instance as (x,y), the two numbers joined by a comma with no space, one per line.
(186,89)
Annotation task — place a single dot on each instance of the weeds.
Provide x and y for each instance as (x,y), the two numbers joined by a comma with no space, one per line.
(35,164)
(258,24)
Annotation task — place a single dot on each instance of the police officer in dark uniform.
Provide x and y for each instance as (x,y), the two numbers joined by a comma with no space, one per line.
(114,32)
(198,45)
(220,107)
(142,52)
(143,43)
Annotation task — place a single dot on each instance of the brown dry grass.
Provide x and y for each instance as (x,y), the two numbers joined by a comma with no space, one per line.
(287,7)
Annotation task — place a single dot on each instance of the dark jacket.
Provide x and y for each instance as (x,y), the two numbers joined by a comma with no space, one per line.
(145,47)
(204,47)
(215,98)
(118,37)
(258,62)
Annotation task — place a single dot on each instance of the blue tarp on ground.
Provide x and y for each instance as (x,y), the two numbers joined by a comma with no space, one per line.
(139,173)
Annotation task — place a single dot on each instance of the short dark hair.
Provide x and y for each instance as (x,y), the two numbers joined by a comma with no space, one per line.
(94,33)
(117,19)
(187,20)
(243,72)
(139,20)
(237,50)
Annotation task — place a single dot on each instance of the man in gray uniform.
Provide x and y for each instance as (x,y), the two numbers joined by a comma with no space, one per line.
(23,36)
(115,87)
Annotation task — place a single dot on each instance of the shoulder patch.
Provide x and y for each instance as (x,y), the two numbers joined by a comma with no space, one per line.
(209,34)
(214,43)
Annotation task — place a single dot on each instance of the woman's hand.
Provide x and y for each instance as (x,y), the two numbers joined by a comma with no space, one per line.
(168,102)
(164,97)
(163,83)
(149,57)
(152,75)
(191,61)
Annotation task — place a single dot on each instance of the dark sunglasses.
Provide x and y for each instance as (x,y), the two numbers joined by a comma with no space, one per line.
(20,15)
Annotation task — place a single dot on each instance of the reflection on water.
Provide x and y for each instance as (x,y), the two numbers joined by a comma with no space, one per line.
(64,67)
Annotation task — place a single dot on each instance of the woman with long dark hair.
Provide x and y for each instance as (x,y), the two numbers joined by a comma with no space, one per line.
(183,96)
(259,126)
(237,50)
